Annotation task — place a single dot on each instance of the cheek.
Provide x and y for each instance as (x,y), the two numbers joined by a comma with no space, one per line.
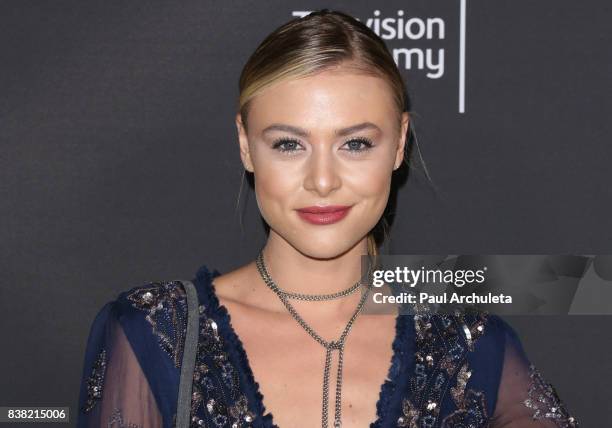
(274,188)
(372,184)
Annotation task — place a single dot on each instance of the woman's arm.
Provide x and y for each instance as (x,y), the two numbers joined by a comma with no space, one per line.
(114,390)
(525,399)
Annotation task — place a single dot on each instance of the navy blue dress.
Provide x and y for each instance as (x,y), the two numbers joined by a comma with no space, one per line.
(467,370)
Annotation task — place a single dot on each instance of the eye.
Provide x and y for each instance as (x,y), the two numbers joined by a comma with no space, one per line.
(286,145)
(354,145)
(358,145)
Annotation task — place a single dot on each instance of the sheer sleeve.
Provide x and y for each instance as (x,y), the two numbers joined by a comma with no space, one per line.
(114,390)
(525,399)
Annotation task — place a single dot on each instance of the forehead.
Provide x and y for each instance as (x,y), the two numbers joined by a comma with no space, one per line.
(329,99)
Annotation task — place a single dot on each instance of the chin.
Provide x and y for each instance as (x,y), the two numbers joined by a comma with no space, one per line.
(324,250)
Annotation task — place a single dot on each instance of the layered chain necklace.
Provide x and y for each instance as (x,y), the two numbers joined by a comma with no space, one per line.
(328,345)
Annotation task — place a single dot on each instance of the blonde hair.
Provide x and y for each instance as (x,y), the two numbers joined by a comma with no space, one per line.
(322,40)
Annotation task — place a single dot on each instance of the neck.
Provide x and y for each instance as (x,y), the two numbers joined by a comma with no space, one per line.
(295,272)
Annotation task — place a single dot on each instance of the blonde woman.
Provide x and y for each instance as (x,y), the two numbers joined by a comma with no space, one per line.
(322,124)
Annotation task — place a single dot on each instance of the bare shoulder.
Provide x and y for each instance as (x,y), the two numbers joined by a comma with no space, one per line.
(243,290)
(236,285)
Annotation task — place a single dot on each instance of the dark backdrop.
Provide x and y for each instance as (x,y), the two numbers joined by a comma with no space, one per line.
(119,161)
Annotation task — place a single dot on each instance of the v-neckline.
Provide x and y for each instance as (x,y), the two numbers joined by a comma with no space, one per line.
(399,362)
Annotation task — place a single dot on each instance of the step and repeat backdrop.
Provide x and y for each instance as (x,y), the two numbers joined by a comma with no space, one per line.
(119,161)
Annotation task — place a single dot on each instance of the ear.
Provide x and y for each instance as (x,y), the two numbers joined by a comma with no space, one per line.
(245,154)
(399,154)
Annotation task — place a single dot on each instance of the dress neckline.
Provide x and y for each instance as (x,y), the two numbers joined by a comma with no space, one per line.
(402,354)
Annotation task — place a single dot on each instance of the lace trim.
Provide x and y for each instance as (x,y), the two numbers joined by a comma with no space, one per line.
(543,398)
(95,382)
(402,354)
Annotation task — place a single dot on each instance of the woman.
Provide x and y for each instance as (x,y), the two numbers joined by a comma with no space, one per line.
(322,125)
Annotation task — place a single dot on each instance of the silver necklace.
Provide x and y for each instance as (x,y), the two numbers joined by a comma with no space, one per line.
(314,297)
(328,345)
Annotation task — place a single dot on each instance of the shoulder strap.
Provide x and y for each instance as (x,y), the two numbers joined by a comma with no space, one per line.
(183,405)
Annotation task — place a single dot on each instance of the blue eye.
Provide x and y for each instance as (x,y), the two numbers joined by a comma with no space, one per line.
(359,144)
(286,145)
(355,145)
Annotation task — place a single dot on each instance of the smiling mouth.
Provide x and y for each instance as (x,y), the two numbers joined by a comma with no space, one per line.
(323,215)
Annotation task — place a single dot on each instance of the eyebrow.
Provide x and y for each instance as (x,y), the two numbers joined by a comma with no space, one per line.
(303,133)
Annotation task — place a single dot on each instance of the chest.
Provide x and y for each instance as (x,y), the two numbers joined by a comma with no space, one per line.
(288,365)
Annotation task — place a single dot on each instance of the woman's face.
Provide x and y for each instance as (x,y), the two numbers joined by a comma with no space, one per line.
(328,139)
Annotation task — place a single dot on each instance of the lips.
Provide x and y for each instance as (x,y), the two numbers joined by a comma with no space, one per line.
(323,214)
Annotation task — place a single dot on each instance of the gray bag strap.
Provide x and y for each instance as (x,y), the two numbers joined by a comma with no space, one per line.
(183,405)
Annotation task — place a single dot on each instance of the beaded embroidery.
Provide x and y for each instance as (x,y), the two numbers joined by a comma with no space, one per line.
(217,399)
(209,389)
(543,398)
(116,421)
(95,382)
(442,342)
(471,408)
(166,307)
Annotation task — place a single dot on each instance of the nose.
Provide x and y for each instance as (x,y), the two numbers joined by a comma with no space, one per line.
(322,175)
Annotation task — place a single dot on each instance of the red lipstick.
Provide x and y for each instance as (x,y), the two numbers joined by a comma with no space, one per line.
(327,214)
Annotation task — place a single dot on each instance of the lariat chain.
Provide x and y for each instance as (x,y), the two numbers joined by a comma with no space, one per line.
(328,345)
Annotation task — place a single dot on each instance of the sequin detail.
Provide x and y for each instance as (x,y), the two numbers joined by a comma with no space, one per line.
(217,399)
(95,382)
(116,421)
(166,307)
(210,406)
(442,343)
(543,398)
(471,406)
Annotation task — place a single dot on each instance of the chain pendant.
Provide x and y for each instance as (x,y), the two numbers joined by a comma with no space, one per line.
(328,356)
(329,346)
(338,403)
